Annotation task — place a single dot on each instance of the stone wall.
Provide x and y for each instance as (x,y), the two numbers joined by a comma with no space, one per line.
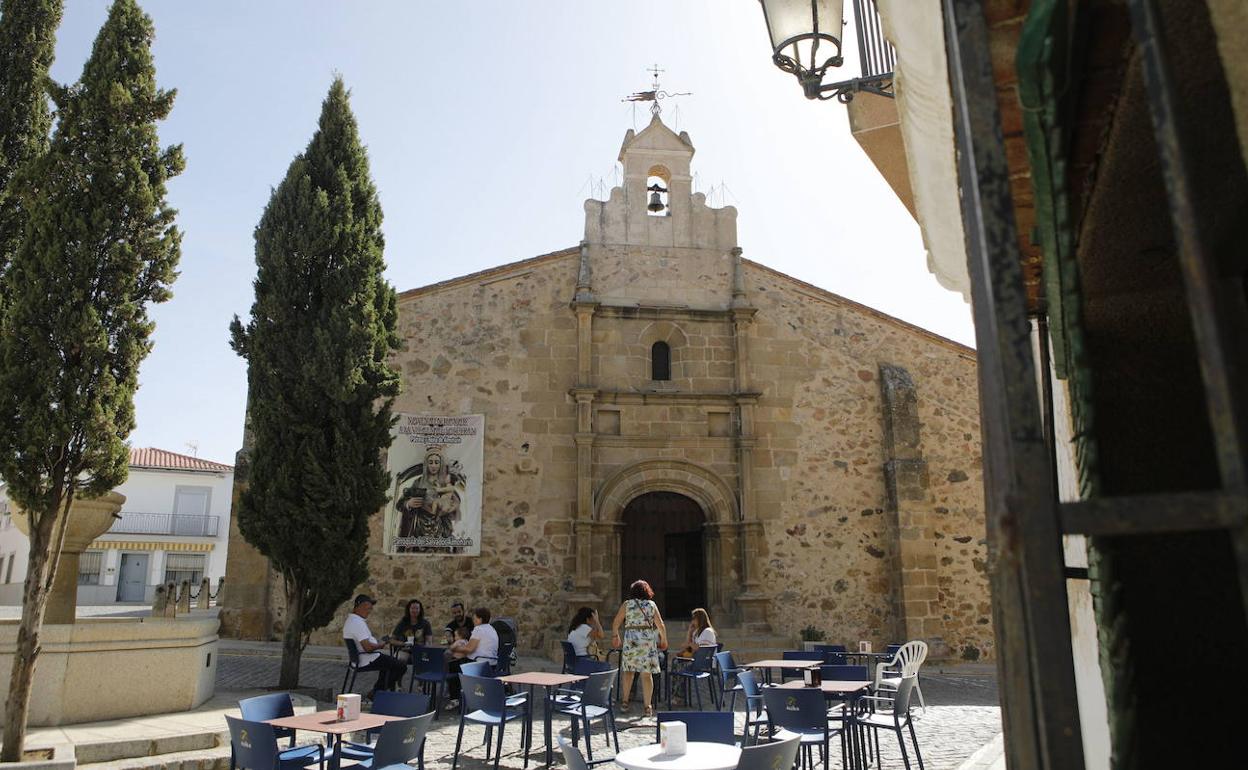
(833,543)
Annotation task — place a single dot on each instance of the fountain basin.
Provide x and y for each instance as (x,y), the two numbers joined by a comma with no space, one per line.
(110,668)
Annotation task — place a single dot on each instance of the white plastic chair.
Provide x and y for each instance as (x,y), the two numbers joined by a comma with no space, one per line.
(905,663)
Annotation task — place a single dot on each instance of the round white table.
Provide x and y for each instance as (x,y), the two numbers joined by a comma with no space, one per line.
(698,756)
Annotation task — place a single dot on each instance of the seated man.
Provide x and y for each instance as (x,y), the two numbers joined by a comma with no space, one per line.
(389,669)
(458,620)
(482,645)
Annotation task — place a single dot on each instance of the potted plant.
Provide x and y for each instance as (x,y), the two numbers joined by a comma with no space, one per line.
(810,636)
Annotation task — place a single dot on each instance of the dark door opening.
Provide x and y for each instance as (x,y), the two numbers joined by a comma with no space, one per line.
(662,543)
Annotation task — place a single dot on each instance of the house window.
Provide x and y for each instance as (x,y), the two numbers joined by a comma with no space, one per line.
(8,571)
(192,501)
(89,564)
(184,566)
(2,566)
(660,361)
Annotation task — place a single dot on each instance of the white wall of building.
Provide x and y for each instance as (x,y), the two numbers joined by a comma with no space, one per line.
(13,545)
(154,495)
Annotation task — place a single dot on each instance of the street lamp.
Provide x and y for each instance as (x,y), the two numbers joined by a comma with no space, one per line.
(806,41)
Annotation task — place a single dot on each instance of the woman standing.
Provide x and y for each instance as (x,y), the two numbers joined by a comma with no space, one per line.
(644,635)
(413,625)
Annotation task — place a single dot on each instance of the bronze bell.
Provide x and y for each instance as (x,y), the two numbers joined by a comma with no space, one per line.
(656,204)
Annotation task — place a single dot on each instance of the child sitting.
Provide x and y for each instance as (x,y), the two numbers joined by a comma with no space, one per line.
(456,650)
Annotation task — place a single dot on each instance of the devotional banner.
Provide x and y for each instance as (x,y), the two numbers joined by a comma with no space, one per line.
(435,465)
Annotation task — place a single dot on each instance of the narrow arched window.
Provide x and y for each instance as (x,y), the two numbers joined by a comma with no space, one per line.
(660,361)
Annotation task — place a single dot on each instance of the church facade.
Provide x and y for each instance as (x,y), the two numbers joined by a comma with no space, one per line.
(656,406)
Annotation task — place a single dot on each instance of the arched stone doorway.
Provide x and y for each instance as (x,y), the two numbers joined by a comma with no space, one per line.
(663,542)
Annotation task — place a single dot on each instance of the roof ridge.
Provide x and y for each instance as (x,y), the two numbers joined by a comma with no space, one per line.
(155,457)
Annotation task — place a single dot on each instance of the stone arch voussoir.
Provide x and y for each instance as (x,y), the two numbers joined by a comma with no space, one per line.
(700,484)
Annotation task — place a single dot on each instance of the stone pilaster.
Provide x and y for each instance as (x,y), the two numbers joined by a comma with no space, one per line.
(583,531)
(906,483)
(751,602)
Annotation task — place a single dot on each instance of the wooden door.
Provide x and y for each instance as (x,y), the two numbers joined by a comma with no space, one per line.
(662,543)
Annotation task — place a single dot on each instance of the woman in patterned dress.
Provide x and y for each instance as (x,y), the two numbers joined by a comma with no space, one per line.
(644,631)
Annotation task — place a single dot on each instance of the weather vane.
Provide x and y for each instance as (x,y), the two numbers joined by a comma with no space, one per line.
(654,94)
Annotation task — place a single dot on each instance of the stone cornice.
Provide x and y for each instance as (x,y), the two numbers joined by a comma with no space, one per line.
(663,442)
(680,398)
(668,312)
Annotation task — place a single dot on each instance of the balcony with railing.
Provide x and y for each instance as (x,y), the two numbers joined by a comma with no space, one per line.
(182,525)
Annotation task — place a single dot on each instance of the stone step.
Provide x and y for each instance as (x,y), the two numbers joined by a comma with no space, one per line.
(104,752)
(216,758)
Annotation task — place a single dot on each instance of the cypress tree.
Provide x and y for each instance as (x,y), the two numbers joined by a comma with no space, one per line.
(27,45)
(99,247)
(320,389)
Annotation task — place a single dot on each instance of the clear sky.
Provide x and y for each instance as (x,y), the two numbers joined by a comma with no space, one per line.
(487,124)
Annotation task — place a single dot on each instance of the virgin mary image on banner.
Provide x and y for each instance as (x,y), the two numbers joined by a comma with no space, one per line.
(435,505)
(433,491)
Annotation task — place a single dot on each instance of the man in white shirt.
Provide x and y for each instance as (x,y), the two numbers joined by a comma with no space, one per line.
(482,645)
(389,669)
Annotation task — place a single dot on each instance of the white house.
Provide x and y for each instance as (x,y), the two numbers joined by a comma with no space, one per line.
(174,526)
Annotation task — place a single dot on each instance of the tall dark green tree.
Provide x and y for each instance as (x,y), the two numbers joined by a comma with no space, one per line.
(99,247)
(320,389)
(27,45)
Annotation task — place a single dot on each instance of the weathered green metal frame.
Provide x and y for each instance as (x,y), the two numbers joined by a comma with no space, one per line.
(1034,660)
(1048,63)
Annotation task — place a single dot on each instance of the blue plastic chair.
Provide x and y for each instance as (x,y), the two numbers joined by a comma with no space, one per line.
(786,673)
(483,668)
(845,673)
(262,708)
(572,755)
(755,713)
(700,668)
(395,704)
(703,726)
(476,668)
(484,702)
(896,721)
(400,742)
(832,653)
(802,712)
(595,703)
(254,747)
(566,696)
(727,669)
(569,656)
(429,670)
(353,665)
(777,755)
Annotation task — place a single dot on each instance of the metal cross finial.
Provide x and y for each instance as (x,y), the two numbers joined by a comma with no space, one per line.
(654,94)
(655,71)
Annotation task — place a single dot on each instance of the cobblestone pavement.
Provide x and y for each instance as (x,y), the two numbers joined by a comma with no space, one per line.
(961,717)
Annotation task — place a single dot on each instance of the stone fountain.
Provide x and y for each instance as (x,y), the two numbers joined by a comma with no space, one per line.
(93,669)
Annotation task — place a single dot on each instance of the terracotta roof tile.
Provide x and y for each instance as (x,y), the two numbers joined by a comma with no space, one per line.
(165,460)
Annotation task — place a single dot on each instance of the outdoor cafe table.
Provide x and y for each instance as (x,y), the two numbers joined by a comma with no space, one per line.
(327,722)
(768,665)
(698,756)
(848,690)
(549,681)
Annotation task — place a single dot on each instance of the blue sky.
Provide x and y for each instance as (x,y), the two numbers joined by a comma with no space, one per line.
(487,125)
